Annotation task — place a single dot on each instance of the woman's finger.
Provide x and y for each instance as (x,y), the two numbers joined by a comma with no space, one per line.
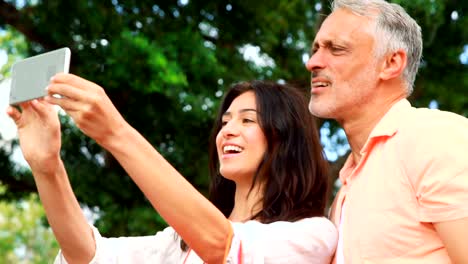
(66,90)
(73,80)
(42,107)
(14,114)
(21,117)
(65,103)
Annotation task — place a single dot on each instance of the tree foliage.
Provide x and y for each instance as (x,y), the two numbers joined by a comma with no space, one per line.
(165,65)
(23,236)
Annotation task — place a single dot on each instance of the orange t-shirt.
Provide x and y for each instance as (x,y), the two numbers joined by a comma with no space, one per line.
(413,172)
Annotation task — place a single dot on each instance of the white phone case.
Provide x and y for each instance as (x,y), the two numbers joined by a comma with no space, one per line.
(30,77)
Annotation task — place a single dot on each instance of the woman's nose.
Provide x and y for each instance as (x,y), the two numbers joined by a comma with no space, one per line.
(230,129)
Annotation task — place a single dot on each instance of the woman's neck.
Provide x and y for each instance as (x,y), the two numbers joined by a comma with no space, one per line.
(246,204)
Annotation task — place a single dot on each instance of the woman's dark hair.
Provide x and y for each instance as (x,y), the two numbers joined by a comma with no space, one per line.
(294,171)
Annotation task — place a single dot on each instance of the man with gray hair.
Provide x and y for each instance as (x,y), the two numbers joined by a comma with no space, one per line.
(404,194)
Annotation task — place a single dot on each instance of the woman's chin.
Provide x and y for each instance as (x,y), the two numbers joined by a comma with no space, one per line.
(228,175)
(236,175)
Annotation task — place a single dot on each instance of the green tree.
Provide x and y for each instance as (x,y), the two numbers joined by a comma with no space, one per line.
(165,65)
(23,236)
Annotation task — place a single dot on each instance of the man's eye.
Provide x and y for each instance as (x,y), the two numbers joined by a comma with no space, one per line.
(313,51)
(336,49)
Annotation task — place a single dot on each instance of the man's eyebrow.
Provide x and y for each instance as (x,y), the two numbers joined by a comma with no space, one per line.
(329,42)
(313,46)
(316,45)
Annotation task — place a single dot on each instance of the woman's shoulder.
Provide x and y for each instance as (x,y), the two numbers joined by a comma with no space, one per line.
(319,229)
(317,221)
(306,239)
(312,228)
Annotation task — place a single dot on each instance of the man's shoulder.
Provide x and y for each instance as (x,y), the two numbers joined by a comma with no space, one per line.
(437,114)
(424,121)
(431,144)
(422,130)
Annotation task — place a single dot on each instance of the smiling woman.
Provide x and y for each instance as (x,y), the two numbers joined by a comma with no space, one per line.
(241,143)
(267,197)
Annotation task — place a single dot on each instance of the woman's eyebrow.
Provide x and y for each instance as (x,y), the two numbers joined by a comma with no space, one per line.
(228,113)
(247,110)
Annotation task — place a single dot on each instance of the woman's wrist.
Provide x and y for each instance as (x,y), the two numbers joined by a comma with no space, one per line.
(48,169)
(116,137)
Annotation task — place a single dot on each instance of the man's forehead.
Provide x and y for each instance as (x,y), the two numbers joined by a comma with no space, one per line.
(343,25)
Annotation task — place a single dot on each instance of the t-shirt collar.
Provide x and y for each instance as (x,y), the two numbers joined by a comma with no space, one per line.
(386,127)
(390,122)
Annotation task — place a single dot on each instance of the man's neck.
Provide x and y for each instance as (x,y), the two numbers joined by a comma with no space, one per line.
(359,126)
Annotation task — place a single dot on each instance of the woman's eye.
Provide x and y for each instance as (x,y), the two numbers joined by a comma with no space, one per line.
(245,120)
(223,123)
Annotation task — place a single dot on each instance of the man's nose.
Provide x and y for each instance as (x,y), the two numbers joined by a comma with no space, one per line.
(316,61)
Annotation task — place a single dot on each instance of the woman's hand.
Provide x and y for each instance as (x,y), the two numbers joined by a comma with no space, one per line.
(39,134)
(88,105)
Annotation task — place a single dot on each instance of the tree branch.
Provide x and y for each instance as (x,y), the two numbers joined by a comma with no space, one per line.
(10,15)
(17,187)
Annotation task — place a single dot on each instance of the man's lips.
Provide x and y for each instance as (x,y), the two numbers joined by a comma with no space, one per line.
(319,83)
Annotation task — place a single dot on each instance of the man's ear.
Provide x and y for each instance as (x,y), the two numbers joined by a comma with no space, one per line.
(394,65)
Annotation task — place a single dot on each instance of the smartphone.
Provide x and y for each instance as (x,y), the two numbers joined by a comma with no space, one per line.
(30,77)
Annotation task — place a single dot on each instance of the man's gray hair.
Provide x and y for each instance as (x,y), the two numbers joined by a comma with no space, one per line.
(394,29)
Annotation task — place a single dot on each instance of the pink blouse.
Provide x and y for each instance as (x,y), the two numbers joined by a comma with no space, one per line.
(310,240)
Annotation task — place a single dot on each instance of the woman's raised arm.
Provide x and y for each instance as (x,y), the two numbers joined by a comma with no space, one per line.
(39,135)
(205,229)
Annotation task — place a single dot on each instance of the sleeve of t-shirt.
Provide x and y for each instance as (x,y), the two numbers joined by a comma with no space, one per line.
(164,247)
(439,168)
(310,240)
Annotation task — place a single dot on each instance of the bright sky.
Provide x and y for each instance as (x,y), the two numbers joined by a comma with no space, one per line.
(7,126)
(3,57)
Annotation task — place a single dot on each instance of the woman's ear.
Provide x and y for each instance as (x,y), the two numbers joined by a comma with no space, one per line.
(394,65)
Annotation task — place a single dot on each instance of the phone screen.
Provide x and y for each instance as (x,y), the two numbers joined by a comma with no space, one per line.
(31,76)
